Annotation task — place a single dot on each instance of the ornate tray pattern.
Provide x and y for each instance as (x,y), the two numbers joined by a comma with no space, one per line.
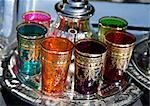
(140,67)
(138,76)
(34,97)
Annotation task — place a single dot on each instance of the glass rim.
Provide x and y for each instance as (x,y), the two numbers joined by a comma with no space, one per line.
(37,11)
(121,45)
(117,28)
(88,54)
(54,51)
(31,23)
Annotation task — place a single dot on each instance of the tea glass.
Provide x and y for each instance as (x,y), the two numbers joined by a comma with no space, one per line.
(89,63)
(120,45)
(29,36)
(56,58)
(39,17)
(110,23)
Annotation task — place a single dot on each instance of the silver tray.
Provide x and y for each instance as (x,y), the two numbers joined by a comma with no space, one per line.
(12,83)
(140,67)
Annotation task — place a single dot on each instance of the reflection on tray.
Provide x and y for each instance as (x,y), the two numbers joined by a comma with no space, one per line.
(141,63)
(69,97)
(141,57)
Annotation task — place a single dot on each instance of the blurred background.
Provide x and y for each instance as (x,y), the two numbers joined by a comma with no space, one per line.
(128,1)
(136,12)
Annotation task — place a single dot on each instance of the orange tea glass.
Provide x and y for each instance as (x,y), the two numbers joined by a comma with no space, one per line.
(55,58)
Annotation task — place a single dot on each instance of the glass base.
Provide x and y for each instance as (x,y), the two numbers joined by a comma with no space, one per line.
(30,68)
(109,89)
(52,93)
(78,96)
(31,81)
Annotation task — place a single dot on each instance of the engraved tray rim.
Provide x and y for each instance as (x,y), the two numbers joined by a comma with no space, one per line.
(136,72)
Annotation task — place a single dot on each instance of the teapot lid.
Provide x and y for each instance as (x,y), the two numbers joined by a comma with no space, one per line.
(80,9)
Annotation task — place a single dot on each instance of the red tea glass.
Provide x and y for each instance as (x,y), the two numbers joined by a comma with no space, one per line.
(89,62)
(39,17)
(120,45)
(55,58)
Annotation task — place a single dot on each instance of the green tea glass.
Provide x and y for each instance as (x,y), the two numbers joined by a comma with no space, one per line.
(110,23)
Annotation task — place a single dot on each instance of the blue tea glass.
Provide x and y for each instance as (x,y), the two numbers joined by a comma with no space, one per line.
(29,37)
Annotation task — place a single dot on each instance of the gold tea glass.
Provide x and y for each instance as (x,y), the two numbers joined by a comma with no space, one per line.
(56,58)
(29,37)
(110,23)
(89,62)
(39,17)
(120,45)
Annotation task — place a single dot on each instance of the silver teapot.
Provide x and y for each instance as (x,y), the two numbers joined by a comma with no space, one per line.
(75,14)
